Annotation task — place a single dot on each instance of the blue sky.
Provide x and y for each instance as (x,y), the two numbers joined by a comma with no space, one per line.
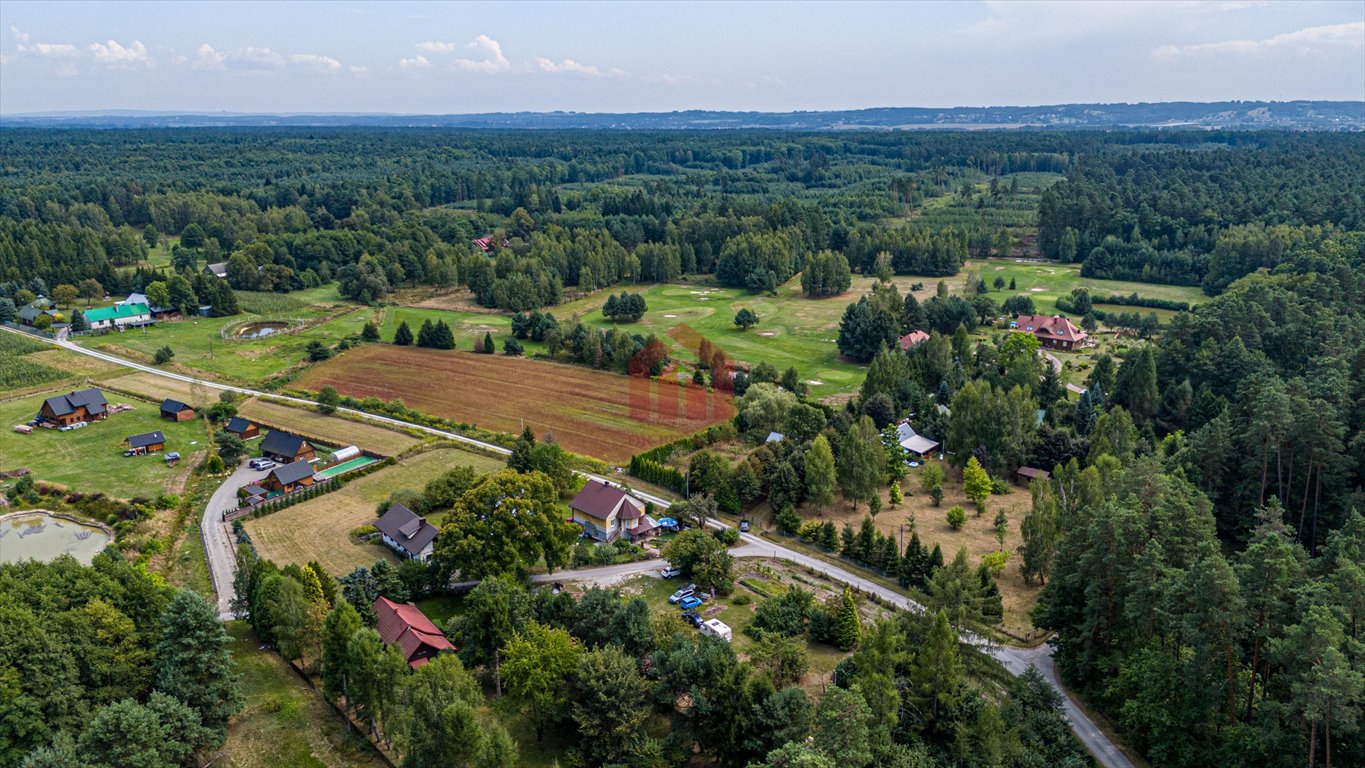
(657,56)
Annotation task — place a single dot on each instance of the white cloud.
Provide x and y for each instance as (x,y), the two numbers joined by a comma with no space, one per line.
(492,62)
(569,66)
(19,34)
(433,46)
(115,55)
(1311,39)
(55,50)
(255,59)
(324,63)
(359,70)
(205,57)
(416,62)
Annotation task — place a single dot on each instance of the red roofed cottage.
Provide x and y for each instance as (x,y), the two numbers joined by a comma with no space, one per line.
(403,625)
(1055,331)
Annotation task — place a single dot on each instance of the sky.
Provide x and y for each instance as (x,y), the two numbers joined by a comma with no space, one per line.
(444,58)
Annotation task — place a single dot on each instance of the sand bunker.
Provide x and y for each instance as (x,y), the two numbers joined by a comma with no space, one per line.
(766,333)
(1037,290)
(815,382)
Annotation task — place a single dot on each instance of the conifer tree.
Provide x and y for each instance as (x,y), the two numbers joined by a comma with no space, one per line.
(403,336)
(193,663)
(848,627)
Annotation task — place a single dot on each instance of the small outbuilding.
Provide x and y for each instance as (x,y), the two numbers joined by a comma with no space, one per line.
(345,454)
(1026,475)
(148,442)
(176,410)
(242,428)
(914,443)
(774,437)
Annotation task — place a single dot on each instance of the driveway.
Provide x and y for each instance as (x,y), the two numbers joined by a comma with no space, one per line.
(219,545)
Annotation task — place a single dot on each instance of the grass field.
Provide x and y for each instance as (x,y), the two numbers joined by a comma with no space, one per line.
(590,412)
(1045,282)
(332,430)
(285,724)
(319,314)
(319,529)
(91,459)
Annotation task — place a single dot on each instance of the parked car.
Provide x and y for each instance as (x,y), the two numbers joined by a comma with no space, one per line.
(684,592)
(261,464)
(671,572)
(65,428)
(689,602)
(743,526)
(693,619)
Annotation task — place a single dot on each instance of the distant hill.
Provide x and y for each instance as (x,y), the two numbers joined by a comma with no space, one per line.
(1290,115)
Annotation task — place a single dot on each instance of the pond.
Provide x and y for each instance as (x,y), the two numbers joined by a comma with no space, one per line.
(41,536)
(259,330)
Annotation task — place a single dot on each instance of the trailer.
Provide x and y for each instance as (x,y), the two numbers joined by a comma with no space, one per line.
(717,628)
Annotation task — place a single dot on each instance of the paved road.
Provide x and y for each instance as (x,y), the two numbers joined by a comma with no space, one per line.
(219,545)
(1016,661)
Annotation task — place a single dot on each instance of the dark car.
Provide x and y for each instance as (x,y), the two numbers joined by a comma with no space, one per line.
(743,526)
(692,618)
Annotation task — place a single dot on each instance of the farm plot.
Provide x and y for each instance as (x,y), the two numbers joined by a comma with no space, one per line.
(319,529)
(91,459)
(590,412)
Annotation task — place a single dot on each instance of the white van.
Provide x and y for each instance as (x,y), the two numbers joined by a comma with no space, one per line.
(717,628)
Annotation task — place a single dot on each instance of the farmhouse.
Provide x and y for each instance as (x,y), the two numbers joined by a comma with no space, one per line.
(176,411)
(242,428)
(604,512)
(912,338)
(119,316)
(217,270)
(35,309)
(914,443)
(286,448)
(409,534)
(1055,332)
(485,244)
(81,405)
(147,442)
(290,477)
(141,298)
(408,628)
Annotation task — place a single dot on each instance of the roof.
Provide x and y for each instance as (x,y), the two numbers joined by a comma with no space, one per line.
(1050,326)
(904,431)
(292,472)
(919,444)
(407,529)
(912,338)
(219,269)
(237,424)
(254,490)
(600,500)
(402,624)
(91,399)
(101,314)
(282,443)
(774,437)
(174,406)
(1035,472)
(35,308)
(146,439)
(136,298)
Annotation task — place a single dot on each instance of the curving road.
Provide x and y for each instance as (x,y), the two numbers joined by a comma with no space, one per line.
(222,561)
(219,545)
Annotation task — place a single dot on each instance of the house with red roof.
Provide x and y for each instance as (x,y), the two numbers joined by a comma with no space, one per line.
(403,625)
(605,512)
(1054,331)
(912,338)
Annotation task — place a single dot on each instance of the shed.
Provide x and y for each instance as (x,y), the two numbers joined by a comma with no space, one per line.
(1026,475)
(242,428)
(147,442)
(176,410)
(774,437)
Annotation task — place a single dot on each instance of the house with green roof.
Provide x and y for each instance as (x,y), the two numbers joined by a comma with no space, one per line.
(118,316)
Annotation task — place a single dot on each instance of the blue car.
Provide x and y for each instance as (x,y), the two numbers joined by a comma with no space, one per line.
(692,618)
(688,603)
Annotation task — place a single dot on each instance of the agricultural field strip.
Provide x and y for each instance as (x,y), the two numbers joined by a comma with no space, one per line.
(1014,660)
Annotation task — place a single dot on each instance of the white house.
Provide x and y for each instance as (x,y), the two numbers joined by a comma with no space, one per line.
(409,534)
(119,316)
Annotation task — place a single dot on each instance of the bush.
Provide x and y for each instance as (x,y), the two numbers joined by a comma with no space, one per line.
(163,355)
(740,599)
(999,487)
(957,517)
(728,536)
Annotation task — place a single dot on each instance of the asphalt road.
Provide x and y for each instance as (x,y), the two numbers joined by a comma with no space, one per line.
(1016,661)
(219,545)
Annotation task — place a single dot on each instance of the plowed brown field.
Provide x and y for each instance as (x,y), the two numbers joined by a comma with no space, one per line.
(595,413)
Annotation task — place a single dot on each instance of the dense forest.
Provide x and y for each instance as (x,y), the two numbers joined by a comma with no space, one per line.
(373,209)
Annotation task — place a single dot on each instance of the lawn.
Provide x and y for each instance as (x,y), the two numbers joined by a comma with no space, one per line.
(91,459)
(591,412)
(332,430)
(285,724)
(319,529)
(1045,282)
(206,344)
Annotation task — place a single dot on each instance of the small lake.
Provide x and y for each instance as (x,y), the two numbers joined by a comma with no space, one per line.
(259,330)
(40,536)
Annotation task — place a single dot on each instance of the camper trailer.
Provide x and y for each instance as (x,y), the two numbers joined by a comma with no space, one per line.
(717,628)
